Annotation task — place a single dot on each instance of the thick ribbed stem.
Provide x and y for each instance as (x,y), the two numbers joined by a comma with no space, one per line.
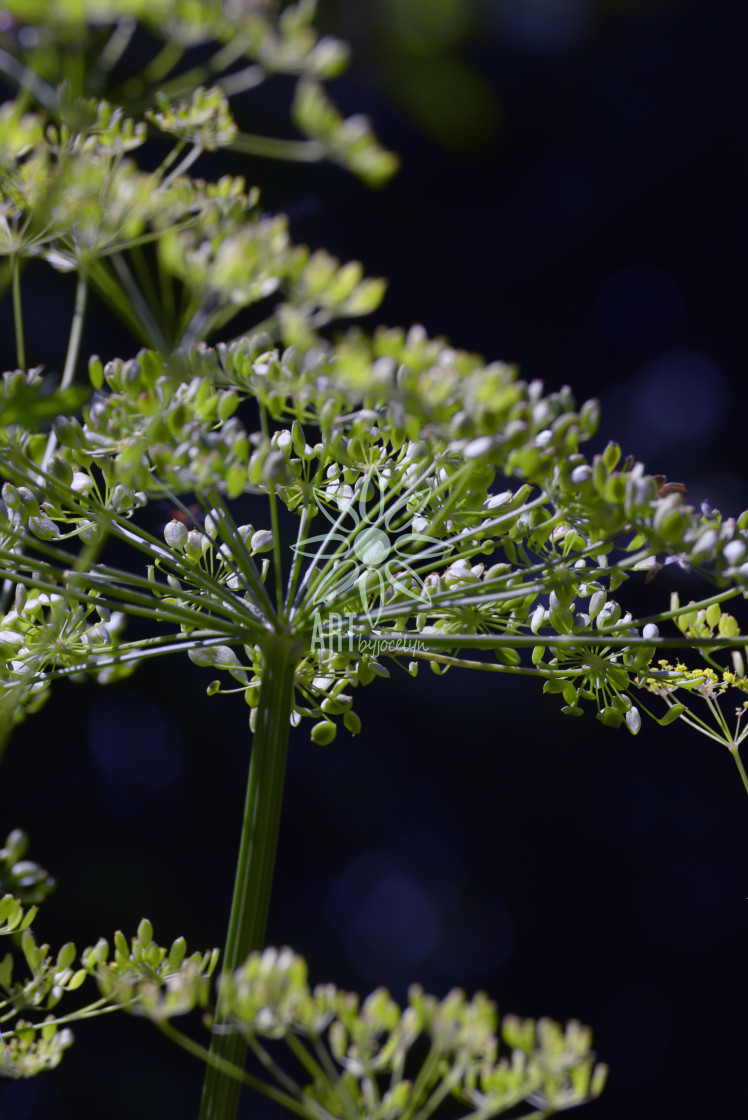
(254,872)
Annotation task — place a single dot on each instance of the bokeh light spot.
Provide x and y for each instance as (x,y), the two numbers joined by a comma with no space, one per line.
(679,399)
(546,25)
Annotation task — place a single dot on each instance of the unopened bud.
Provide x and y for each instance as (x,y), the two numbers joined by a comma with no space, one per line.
(175,534)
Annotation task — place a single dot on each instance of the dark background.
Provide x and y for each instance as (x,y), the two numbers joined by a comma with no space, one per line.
(572,198)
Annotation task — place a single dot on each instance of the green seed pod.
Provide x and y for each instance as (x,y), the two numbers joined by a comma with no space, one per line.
(331,706)
(145,932)
(673,714)
(76,980)
(96,954)
(611,456)
(68,431)
(728,627)
(352,722)
(633,720)
(228,402)
(95,371)
(611,717)
(29,504)
(252,696)
(570,693)
(177,953)
(60,469)
(43,528)
(590,417)
(65,957)
(640,657)
(324,732)
(10,643)
(273,467)
(713,615)
(297,435)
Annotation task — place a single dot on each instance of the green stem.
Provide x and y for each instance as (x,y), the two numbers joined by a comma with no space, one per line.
(741,769)
(226,1069)
(25,78)
(562,641)
(277,555)
(489,667)
(139,304)
(254,873)
(90,1011)
(18,313)
(272,147)
(111,292)
(76,332)
(71,358)
(300,1052)
(296,565)
(185,82)
(115,47)
(183,166)
(664,616)
(248,78)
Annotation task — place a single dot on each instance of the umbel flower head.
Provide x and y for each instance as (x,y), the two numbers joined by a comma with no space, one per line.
(360,499)
(408,500)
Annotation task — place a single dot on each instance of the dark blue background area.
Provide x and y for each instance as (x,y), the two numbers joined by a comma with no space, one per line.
(471,835)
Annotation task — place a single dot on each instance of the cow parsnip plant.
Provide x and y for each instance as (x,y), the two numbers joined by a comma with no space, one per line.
(409,504)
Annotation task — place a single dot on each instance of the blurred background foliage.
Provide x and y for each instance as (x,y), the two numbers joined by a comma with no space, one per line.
(572,197)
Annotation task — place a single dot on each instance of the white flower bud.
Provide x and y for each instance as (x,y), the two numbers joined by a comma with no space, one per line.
(478,447)
(81,483)
(197,542)
(175,534)
(734,552)
(262,541)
